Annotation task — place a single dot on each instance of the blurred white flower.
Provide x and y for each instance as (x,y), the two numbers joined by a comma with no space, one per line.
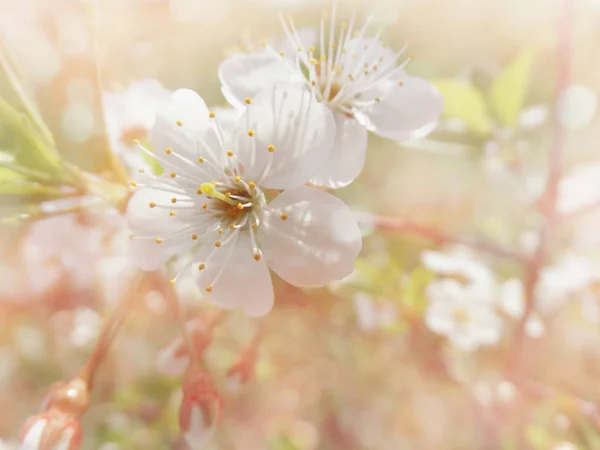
(564,446)
(579,189)
(576,106)
(212,200)
(355,75)
(462,314)
(570,274)
(466,300)
(86,326)
(129,115)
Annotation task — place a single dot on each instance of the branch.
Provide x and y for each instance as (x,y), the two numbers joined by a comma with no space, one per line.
(549,197)
(438,236)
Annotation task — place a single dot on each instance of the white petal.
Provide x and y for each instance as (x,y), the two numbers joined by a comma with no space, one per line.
(198,432)
(148,224)
(243,76)
(404,112)
(144,220)
(227,118)
(179,122)
(32,439)
(347,157)
(300,129)
(244,283)
(512,300)
(317,243)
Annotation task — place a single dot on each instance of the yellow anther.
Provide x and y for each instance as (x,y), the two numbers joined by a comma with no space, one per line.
(252,185)
(173,200)
(375,68)
(281,53)
(211,115)
(251,132)
(204,206)
(158,240)
(179,123)
(284,216)
(151,204)
(263,43)
(311,49)
(255,225)
(133,183)
(240,206)
(194,237)
(227,194)
(200,159)
(323,57)
(172,213)
(313,82)
(299,49)
(366,72)
(201,266)
(172,174)
(136,141)
(238,179)
(344,25)
(313,61)
(208,289)
(221,230)
(218,244)
(333,46)
(271,148)
(229,153)
(257,256)
(168,151)
(214,183)
(400,83)
(172,282)
(232,226)
(247,100)
(378,99)
(141,170)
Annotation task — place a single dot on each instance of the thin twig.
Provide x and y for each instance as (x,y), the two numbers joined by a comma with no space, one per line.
(440,237)
(550,195)
(109,331)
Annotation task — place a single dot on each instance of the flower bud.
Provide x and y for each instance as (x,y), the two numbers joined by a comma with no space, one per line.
(242,371)
(51,430)
(200,409)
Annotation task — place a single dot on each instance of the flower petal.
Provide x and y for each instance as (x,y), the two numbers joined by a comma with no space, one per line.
(179,122)
(236,278)
(243,76)
(347,157)
(292,136)
(315,242)
(148,224)
(404,112)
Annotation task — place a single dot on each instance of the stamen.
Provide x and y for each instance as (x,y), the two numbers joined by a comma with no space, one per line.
(284,216)
(271,148)
(151,204)
(211,115)
(168,151)
(179,123)
(251,132)
(247,100)
(173,200)
(158,240)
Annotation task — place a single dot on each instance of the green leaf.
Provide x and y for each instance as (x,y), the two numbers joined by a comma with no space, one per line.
(507,94)
(465,102)
(19,140)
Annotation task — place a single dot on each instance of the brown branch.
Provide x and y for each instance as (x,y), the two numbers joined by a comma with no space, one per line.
(440,237)
(549,197)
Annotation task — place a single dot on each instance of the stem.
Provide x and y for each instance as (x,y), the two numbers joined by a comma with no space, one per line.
(438,236)
(109,331)
(549,197)
(170,295)
(119,171)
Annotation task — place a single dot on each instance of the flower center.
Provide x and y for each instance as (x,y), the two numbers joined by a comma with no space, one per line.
(461,316)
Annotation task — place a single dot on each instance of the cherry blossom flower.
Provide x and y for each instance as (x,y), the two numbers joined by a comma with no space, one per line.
(355,75)
(220,199)
(465,302)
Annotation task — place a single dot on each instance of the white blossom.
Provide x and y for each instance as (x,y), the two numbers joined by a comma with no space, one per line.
(219,199)
(360,79)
